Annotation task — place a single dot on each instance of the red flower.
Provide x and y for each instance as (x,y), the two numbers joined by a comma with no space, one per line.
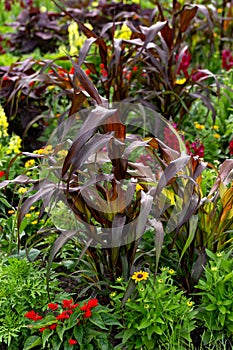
(198,75)
(2,173)
(227,59)
(53,326)
(72,342)
(32,315)
(87,314)
(74,306)
(92,303)
(195,149)
(88,72)
(63,316)
(71,70)
(53,306)
(231,147)
(67,303)
(42,329)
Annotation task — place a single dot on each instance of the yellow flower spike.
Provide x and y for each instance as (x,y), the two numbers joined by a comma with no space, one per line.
(14,145)
(138,188)
(140,276)
(190,303)
(217,136)
(3,123)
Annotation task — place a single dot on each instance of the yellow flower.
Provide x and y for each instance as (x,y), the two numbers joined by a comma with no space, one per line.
(215,127)
(140,275)
(37,213)
(62,153)
(142,289)
(171,271)
(28,215)
(163,268)
(34,222)
(146,306)
(190,303)
(220,10)
(180,81)
(160,280)
(43,9)
(219,254)
(138,188)
(22,190)
(217,136)
(123,33)
(32,207)
(29,163)
(112,294)
(199,126)
(3,123)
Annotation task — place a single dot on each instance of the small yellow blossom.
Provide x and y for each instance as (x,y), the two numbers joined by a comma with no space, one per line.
(138,188)
(43,9)
(113,294)
(34,222)
(32,207)
(28,215)
(29,163)
(62,153)
(217,136)
(190,303)
(160,280)
(219,10)
(140,275)
(215,127)
(180,81)
(11,211)
(146,306)
(22,190)
(128,300)
(171,271)
(214,268)
(219,254)
(119,279)
(163,268)
(199,126)
(142,289)
(37,213)
(123,33)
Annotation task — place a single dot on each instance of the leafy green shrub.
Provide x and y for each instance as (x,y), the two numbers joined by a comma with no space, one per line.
(157,315)
(216,305)
(22,287)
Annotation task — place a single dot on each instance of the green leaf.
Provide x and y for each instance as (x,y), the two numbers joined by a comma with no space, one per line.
(31,342)
(128,334)
(193,221)
(78,333)
(158,330)
(60,331)
(45,336)
(222,309)
(211,307)
(110,320)
(150,344)
(144,324)
(97,321)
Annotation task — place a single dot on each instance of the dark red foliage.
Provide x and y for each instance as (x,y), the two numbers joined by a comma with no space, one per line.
(227,59)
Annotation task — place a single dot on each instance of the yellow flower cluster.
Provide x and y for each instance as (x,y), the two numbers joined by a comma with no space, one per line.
(180,81)
(76,40)
(14,145)
(123,33)
(3,123)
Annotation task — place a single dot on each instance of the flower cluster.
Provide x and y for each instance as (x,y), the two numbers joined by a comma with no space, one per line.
(231,147)
(3,123)
(227,59)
